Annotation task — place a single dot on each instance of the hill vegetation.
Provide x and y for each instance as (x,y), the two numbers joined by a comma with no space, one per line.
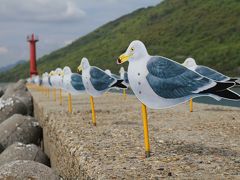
(208,31)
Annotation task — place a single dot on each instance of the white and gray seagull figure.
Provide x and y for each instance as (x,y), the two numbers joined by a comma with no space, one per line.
(208,72)
(97,81)
(72,82)
(159,82)
(124,75)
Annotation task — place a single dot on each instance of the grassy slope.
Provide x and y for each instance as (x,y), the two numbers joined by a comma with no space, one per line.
(208,30)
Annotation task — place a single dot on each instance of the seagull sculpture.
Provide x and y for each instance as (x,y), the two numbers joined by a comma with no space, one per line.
(97,81)
(190,63)
(50,76)
(115,76)
(72,82)
(45,77)
(124,75)
(56,79)
(159,82)
(37,79)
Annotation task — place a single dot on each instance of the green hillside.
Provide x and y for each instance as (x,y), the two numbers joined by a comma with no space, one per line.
(208,30)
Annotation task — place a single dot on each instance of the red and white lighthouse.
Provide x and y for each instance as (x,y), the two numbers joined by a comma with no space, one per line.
(33,64)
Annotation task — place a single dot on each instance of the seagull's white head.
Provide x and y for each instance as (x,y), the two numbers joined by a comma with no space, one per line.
(66,70)
(189,62)
(59,72)
(52,73)
(135,51)
(84,65)
(108,72)
(45,74)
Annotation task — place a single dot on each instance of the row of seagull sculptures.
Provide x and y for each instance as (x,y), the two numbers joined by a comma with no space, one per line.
(95,82)
(157,81)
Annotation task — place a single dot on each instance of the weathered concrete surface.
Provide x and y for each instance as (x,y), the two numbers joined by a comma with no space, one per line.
(16,99)
(21,169)
(204,144)
(19,128)
(20,151)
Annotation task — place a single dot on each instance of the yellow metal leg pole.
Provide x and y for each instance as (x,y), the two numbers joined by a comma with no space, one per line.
(69,103)
(93,111)
(145,128)
(191,105)
(48,93)
(60,96)
(54,95)
(124,93)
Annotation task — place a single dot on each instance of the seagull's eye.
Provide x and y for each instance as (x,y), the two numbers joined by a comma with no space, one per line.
(132,49)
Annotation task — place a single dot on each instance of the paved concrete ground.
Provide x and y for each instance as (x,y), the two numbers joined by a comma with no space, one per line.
(198,145)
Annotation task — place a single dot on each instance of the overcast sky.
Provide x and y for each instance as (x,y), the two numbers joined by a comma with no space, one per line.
(56,22)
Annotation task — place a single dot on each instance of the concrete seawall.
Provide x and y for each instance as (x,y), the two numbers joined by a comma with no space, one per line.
(202,144)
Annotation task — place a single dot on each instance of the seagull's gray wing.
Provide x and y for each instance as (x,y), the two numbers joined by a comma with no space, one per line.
(211,74)
(116,76)
(99,79)
(76,81)
(49,80)
(169,79)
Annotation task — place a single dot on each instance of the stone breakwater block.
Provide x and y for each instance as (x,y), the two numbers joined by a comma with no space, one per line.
(10,107)
(20,151)
(1,148)
(3,89)
(15,88)
(22,169)
(19,128)
(1,92)
(19,91)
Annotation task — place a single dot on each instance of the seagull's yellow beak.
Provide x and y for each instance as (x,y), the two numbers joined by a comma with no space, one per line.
(123,58)
(79,69)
